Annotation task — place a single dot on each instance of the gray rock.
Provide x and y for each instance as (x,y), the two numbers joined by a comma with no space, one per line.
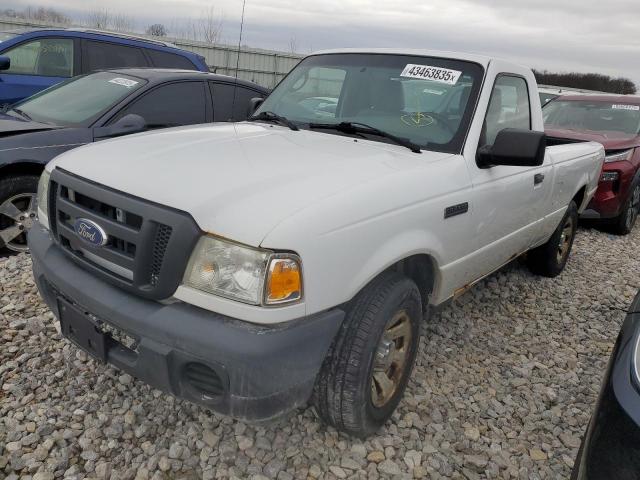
(389,467)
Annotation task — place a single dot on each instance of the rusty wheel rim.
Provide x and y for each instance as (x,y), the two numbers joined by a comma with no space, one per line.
(391,359)
(565,239)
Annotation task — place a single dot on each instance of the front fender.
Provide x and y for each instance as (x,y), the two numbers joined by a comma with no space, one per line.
(397,248)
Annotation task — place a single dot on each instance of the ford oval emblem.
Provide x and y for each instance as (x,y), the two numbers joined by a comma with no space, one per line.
(90,232)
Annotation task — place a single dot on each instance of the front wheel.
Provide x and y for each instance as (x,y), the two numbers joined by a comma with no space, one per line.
(17,210)
(550,259)
(624,223)
(366,371)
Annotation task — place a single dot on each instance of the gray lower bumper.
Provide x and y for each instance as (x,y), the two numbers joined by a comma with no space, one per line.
(590,214)
(265,371)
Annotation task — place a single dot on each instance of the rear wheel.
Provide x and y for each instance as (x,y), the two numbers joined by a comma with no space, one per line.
(368,366)
(624,223)
(550,259)
(17,210)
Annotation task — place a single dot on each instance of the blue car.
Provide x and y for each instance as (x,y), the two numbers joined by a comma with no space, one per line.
(610,448)
(33,60)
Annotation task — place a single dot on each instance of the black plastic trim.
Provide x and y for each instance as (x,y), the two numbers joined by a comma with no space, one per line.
(185,234)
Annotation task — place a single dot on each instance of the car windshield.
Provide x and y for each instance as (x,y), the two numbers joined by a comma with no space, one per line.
(80,101)
(595,116)
(6,36)
(545,98)
(426,100)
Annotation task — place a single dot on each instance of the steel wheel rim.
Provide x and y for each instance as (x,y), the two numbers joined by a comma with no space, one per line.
(391,359)
(565,239)
(632,211)
(18,213)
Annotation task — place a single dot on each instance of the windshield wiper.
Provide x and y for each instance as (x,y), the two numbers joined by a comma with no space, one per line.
(358,127)
(22,114)
(274,117)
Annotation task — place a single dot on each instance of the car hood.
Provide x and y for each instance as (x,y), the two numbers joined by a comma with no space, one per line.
(610,140)
(239,180)
(10,125)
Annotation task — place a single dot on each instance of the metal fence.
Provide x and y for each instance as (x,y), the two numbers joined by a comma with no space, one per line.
(264,67)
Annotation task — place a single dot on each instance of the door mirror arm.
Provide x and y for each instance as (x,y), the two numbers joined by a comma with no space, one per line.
(254,104)
(131,123)
(483,157)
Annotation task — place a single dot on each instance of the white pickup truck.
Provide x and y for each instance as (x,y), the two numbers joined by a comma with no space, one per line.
(252,267)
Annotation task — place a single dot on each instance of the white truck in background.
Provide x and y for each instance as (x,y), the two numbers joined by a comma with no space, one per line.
(255,266)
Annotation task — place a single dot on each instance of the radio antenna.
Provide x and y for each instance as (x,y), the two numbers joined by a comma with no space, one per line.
(235,84)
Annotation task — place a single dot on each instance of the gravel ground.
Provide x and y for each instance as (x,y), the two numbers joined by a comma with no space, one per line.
(503,388)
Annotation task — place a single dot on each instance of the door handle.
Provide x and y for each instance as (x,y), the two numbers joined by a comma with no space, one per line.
(538,178)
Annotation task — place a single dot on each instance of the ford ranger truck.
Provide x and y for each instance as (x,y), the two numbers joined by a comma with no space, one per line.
(253,267)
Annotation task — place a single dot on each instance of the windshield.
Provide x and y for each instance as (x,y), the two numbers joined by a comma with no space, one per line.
(78,101)
(596,116)
(6,36)
(545,98)
(426,100)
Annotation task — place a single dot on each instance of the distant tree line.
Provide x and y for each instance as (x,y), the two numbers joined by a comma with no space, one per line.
(40,14)
(587,81)
(207,27)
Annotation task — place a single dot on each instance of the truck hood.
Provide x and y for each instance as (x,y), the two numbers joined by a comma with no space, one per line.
(239,180)
(609,140)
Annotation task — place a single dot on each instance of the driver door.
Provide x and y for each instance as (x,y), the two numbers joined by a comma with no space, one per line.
(507,199)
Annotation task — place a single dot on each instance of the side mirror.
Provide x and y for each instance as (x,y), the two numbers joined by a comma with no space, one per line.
(514,147)
(5,63)
(128,124)
(254,104)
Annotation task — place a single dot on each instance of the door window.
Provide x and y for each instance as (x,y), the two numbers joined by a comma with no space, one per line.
(169,60)
(102,55)
(49,57)
(223,102)
(509,108)
(170,105)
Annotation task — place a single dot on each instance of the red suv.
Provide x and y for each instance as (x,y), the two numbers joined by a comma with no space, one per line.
(613,121)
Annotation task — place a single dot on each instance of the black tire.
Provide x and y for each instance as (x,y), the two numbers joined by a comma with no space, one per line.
(343,394)
(623,224)
(550,259)
(18,187)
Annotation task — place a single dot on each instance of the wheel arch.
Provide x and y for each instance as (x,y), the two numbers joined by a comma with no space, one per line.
(422,269)
(579,198)
(22,167)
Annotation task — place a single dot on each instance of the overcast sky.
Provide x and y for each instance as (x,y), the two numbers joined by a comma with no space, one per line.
(559,35)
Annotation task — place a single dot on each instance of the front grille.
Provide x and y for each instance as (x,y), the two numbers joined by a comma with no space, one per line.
(147,245)
(163,234)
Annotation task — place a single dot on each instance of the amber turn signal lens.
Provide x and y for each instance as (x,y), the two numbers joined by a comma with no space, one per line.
(284,283)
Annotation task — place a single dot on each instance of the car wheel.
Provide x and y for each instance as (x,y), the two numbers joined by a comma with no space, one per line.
(550,259)
(366,371)
(17,211)
(625,222)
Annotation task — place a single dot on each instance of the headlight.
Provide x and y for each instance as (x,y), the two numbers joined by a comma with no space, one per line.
(43,198)
(635,367)
(618,156)
(242,273)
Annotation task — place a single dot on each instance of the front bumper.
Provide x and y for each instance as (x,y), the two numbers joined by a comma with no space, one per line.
(611,445)
(611,196)
(263,371)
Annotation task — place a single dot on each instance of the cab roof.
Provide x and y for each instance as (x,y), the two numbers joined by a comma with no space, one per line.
(470,57)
